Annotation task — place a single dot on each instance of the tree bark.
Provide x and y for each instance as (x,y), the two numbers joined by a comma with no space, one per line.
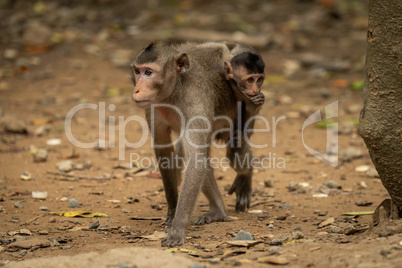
(381,118)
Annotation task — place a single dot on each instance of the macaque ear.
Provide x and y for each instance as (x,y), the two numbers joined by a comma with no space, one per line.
(228,71)
(182,63)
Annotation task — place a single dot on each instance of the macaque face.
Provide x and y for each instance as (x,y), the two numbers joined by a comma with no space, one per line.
(148,84)
(248,84)
(155,81)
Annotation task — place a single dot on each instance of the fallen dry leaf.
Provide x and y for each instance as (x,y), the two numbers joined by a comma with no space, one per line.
(273,260)
(326,222)
(81,214)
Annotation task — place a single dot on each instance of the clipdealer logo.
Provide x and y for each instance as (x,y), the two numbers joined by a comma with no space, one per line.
(330,156)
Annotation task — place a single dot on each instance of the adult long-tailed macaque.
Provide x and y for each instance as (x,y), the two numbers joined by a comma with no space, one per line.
(184,89)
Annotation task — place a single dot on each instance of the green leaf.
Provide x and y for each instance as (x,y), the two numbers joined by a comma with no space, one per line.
(324,124)
(358,85)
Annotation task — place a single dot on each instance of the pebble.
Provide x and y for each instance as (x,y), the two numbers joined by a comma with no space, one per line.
(18,204)
(54,243)
(323,213)
(25,232)
(214,261)
(53,142)
(79,166)
(65,247)
(273,260)
(13,125)
(36,33)
(94,225)
(268,183)
(346,128)
(275,249)
(285,99)
(354,108)
(125,229)
(293,115)
(42,130)
(26,176)
(351,153)
(290,67)
(65,166)
(278,241)
(43,232)
(300,188)
(10,53)
(372,172)
(362,168)
(73,203)
(362,185)
(242,235)
(322,233)
(320,195)
(64,199)
(92,49)
(43,208)
(335,229)
(156,206)
(39,195)
(325,93)
(40,156)
(284,206)
(297,235)
(332,184)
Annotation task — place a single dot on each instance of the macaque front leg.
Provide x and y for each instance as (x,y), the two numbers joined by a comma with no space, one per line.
(191,187)
(170,183)
(170,174)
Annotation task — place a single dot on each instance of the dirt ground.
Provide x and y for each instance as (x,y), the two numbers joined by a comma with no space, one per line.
(314,57)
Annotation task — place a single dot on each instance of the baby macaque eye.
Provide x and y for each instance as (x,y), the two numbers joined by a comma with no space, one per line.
(148,72)
(136,71)
(250,80)
(259,81)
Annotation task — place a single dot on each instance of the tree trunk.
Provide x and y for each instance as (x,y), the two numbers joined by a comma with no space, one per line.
(381,118)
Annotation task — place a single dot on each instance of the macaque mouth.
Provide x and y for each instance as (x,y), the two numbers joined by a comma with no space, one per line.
(142,101)
(251,95)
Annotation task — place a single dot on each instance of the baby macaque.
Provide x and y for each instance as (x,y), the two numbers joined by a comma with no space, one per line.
(245,73)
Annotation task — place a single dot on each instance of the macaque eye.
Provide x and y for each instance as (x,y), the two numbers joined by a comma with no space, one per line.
(148,72)
(259,81)
(136,71)
(250,80)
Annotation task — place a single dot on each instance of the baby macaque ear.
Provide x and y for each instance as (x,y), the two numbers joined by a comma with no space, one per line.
(228,71)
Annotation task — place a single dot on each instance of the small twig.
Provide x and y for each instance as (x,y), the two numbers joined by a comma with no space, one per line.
(74,177)
(31,220)
(261,202)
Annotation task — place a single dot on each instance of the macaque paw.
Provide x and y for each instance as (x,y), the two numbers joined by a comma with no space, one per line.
(258,99)
(174,239)
(242,187)
(168,221)
(211,217)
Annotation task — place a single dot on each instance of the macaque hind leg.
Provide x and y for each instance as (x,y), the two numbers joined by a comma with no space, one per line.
(216,205)
(242,183)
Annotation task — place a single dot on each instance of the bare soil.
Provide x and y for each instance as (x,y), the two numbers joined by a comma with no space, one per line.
(68,76)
